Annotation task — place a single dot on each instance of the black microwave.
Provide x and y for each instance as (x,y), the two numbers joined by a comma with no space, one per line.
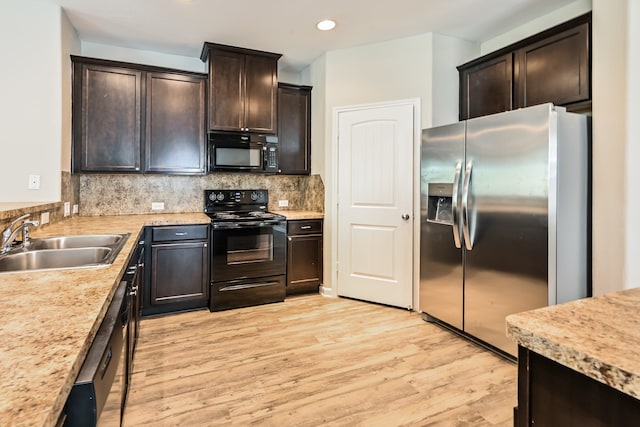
(235,152)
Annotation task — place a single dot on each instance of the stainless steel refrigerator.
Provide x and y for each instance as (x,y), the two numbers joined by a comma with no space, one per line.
(504,210)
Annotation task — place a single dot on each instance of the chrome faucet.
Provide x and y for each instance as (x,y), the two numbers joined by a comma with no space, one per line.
(10,233)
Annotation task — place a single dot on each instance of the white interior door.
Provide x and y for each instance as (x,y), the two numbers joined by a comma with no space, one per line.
(375,204)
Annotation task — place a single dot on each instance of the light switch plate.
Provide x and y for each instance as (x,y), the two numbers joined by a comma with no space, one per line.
(283,203)
(44,218)
(67,208)
(75,209)
(157,206)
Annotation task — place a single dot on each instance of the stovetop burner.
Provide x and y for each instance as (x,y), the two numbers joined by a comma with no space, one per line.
(225,215)
(238,205)
(260,214)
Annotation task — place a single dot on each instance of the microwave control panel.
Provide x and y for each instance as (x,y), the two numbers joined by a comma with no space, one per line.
(271,158)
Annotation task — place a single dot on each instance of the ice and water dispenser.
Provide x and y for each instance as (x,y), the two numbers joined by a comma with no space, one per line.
(440,203)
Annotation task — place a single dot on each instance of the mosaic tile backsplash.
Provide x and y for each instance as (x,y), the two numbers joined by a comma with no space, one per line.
(133,194)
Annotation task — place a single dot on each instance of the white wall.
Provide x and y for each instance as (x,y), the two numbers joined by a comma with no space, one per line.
(616,133)
(393,70)
(447,53)
(137,56)
(577,8)
(632,196)
(31,102)
(70,45)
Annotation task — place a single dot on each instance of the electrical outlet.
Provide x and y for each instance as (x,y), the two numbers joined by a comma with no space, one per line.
(75,209)
(157,206)
(283,203)
(34,182)
(44,218)
(67,208)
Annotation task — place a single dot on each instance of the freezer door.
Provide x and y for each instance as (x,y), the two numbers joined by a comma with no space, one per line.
(441,270)
(505,219)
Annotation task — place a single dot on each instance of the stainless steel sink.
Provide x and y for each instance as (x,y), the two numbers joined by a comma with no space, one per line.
(79,241)
(54,258)
(60,252)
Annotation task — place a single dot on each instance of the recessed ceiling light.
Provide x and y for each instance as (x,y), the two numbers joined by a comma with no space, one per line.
(326,25)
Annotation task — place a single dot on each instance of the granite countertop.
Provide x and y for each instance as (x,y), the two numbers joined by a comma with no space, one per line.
(598,337)
(295,214)
(49,318)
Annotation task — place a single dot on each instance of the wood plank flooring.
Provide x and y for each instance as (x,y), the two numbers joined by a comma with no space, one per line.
(314,361)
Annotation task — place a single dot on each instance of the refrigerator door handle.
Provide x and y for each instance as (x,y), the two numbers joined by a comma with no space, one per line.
(454,206)
(466,221)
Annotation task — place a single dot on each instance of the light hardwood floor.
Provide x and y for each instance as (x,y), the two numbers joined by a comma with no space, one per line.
(314,361)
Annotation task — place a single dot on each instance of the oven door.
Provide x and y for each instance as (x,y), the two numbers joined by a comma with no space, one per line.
(243,250)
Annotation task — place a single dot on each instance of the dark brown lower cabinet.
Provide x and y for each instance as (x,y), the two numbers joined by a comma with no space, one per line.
(304,256)
(550,395)
(178,277)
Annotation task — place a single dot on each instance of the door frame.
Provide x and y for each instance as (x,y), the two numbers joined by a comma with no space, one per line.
(330,287)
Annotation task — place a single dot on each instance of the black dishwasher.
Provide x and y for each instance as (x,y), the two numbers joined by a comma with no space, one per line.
(97,396)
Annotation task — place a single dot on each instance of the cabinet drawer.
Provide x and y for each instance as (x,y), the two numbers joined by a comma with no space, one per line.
(307,226)
(171,234)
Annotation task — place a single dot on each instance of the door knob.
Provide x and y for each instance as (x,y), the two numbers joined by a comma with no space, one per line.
(406,217)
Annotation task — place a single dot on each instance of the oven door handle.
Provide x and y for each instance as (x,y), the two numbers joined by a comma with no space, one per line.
(246,286)
(246,224)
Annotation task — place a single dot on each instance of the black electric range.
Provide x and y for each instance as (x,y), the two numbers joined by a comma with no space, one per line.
(248,250)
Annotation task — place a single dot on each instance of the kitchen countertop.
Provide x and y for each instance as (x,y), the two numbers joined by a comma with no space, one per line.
(598,337)
(296,214)
(49,319)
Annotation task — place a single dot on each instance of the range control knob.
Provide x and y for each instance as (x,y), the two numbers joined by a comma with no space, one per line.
(220,197)
(212,197)
(254,196)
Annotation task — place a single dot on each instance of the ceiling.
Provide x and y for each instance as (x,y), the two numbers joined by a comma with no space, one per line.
(288,26)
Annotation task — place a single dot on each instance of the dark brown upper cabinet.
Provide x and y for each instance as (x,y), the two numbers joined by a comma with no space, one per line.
(556,68)
(551,66)
(133,118)
(487,87)
(175,132)
(294,129)
(243,86)
(107,105)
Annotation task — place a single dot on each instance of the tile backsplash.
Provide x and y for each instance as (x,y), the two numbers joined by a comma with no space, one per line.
(134,194)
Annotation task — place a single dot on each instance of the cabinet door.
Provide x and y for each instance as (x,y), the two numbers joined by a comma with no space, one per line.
(304,263)
(294,129)
(179,275)
(555,69)
(261,74)
(107,101)
(486,88)
(175,126)
(226,93)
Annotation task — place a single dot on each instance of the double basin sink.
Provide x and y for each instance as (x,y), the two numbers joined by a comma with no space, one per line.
(61,252)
